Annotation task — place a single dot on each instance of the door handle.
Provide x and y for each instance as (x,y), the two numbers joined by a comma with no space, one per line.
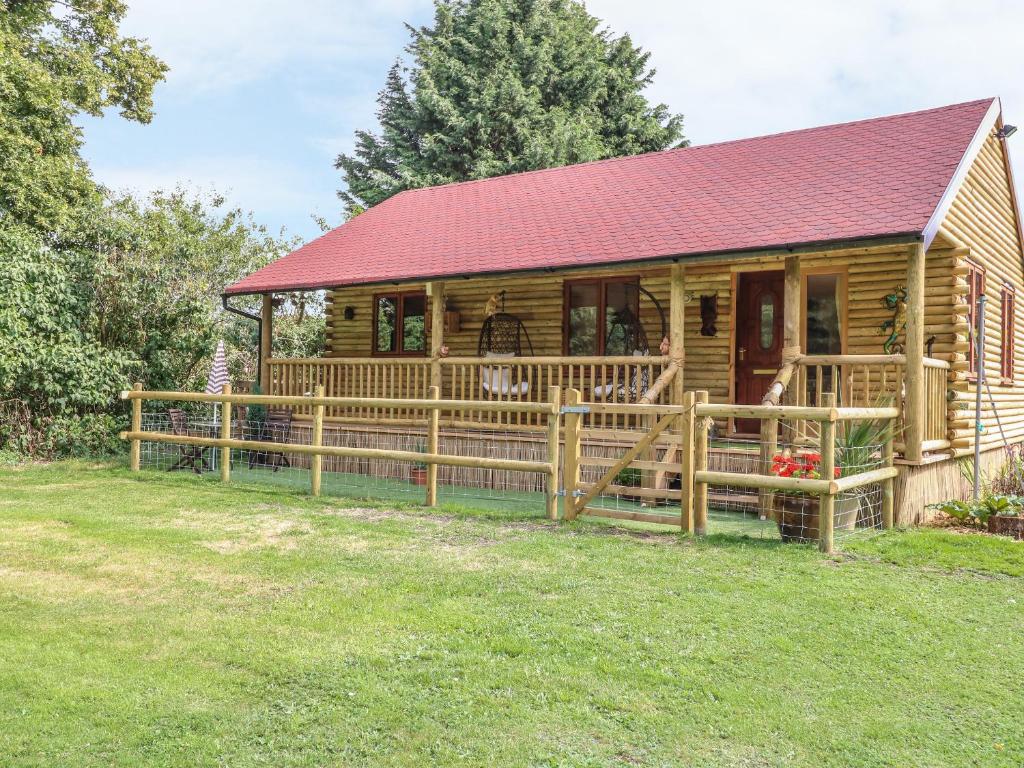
(743,354)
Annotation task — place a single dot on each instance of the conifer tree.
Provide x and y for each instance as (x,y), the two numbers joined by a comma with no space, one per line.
(501,86)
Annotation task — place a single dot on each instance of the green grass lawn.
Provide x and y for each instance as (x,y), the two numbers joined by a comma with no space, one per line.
(162,619)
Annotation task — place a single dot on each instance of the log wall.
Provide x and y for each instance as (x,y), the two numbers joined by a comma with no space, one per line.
(871,273)
(983,219)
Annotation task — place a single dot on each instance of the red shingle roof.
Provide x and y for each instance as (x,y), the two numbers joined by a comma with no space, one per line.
(866,179)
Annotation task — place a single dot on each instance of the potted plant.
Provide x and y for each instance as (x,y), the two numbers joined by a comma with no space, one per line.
(418,471)
(798,514)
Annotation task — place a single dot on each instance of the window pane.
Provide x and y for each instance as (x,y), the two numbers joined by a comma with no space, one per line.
(767,320)
(413,327)
(621,325)
(824,331)
(582,330)
(386,318)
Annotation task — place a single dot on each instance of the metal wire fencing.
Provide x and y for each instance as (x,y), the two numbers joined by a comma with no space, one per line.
(790,515)
(359,477)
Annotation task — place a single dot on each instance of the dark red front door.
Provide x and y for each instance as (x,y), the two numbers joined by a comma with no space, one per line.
(759,317)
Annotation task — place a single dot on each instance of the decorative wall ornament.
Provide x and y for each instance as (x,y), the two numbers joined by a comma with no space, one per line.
(895,302)
(708,315)
(491,308)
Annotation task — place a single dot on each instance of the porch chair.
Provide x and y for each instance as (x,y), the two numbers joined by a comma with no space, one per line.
(497,379)
(626,332)
(276,429)
(627,391)
(502,336)
(189,456)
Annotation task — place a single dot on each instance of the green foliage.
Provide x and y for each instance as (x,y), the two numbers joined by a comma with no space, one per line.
(501,86)
(56,61)
(630,476)
(978,512)
(160,266)
(138,300)
(859,442)
(421,447)
(48,359)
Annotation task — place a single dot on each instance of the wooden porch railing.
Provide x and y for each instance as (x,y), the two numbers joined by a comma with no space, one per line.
(870,381)
(611,380)
(352,377)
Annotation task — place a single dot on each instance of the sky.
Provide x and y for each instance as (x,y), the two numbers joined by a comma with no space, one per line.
(262,95)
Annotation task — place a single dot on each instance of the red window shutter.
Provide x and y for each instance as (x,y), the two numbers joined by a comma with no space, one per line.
(1008,327)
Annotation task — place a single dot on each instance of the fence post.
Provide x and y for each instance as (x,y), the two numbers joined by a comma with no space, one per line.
(571,459)
(827,502)
(555,398)
(316,461)
(888,485)
(769,447)
(225,434)
(136,446)
(700,464)
(433,443)
(688,425)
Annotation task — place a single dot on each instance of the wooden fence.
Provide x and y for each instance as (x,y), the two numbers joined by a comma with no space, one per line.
(687,424)
(866,381)
(691,422)
(317,404)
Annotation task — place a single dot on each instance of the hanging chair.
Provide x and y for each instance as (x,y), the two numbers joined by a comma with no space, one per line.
(626,335)
(502,336)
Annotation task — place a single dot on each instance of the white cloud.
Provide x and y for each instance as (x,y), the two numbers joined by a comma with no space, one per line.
(747,67)
(246,181)
(221,44)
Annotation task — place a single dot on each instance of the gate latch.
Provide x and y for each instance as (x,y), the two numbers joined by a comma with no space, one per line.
(575,409)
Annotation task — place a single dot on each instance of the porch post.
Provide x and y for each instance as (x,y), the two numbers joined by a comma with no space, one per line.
(435,290)
(266,336)
(791,311)
(676,332)
(914,403)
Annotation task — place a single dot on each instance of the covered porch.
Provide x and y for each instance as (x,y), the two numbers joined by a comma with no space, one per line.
(738,327)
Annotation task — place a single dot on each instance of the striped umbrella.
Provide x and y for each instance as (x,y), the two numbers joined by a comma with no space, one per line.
(218,372)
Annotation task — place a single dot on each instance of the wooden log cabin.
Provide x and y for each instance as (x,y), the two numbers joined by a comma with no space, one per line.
(848,258)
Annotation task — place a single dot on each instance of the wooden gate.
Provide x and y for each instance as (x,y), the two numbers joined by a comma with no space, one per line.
(670,430)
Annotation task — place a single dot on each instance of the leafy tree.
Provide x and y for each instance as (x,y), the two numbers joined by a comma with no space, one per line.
(501,86)
(139,300)
(51,366)
(161,264)
(59,59)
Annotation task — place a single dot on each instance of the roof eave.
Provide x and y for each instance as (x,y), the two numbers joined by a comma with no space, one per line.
(868,241)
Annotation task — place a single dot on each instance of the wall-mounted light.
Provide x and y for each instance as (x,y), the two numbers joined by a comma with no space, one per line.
(1006,131)
(350,313)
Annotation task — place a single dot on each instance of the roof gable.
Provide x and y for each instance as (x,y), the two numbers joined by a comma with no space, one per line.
(874,178)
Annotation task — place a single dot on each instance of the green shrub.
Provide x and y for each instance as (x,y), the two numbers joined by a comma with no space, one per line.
(978,512)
